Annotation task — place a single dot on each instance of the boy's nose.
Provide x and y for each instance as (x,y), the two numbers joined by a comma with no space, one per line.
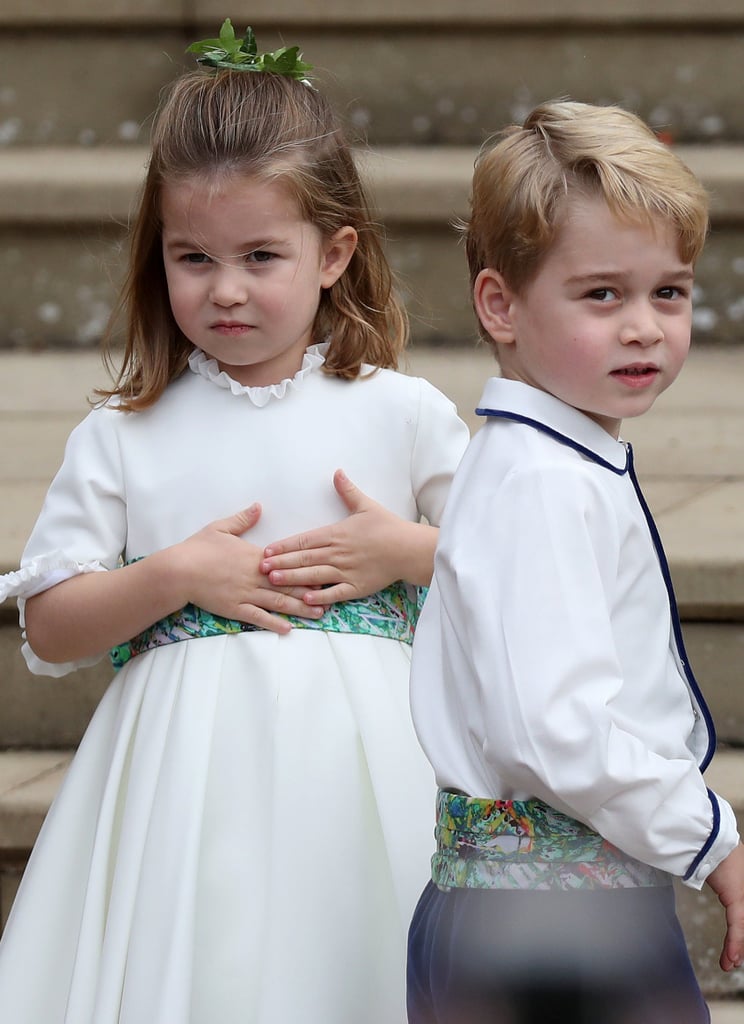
(641,327)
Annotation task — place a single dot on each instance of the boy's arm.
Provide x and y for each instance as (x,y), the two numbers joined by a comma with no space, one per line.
(530,586)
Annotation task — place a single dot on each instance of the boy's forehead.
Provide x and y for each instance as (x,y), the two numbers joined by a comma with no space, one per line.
(591,227)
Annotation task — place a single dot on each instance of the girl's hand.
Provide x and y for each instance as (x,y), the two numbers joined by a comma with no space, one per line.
(354,557)
(727,881)
(221,573)
(86,615)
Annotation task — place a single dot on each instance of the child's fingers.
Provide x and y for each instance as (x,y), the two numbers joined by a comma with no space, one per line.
(240,522)
(287,603)
(300,549)
(732,954)
(297,563)
(354,499)
(731,957)
(312,576)
(331,595)
(265,619)
(262,619)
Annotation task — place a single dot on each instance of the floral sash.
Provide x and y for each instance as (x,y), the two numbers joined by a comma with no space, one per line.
(390,613)
(510,844)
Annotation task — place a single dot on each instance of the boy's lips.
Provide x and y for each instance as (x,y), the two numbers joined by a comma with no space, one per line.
(636,375)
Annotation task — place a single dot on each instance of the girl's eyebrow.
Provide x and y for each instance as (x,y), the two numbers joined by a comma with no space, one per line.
(178,242)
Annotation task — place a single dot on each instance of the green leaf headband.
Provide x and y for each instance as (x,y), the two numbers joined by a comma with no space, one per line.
(242,55)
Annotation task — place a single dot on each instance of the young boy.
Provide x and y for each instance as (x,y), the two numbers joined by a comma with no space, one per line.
(550,685)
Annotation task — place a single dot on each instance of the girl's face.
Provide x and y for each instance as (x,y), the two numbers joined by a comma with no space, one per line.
(245,273)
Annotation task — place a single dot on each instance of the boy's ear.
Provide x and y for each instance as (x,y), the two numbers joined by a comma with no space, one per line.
(493,299)
(337,252)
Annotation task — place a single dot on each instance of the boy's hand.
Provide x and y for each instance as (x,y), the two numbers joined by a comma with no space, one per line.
(727,881)
(357,556)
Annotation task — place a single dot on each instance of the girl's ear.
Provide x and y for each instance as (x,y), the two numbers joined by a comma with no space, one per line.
(337,252)
(493,300)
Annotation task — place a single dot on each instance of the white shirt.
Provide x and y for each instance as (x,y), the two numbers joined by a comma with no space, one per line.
(548,661)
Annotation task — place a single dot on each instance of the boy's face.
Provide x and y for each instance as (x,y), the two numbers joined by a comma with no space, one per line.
(605,324)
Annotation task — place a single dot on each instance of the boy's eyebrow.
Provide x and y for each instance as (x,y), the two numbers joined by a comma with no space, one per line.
(681,273)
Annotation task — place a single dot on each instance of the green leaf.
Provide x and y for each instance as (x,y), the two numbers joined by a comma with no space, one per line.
(204,46)
(242,54)
(249,42)
(227,34)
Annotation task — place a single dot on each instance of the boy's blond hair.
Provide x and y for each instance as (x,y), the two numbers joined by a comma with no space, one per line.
(524,175)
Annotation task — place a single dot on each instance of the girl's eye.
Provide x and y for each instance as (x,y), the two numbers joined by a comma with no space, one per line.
(260,256)
(197,258)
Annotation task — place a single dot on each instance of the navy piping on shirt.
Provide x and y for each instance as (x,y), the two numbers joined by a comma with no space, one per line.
(664,566)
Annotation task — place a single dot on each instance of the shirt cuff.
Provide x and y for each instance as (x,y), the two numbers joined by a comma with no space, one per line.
(723,838)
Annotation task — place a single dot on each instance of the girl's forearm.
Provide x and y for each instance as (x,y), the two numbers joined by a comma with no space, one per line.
(417,554)
(88,614)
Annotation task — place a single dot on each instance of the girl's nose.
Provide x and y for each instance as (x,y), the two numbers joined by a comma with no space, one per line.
(228,286)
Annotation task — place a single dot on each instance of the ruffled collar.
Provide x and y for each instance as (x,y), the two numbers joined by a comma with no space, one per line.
(201,364)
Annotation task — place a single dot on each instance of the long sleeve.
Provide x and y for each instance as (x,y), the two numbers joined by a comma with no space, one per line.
(545,663)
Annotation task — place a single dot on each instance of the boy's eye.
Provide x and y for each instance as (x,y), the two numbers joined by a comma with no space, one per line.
(670,292)
(602,294)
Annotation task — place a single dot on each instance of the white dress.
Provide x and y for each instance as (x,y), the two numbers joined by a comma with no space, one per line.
(247,824)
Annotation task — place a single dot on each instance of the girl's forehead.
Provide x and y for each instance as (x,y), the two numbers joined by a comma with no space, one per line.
(248,195)
(227,186)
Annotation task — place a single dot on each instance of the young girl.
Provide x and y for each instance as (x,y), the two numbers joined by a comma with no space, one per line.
(245,826)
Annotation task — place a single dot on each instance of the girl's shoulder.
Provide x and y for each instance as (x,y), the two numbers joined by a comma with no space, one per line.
(397,386)
(106,426)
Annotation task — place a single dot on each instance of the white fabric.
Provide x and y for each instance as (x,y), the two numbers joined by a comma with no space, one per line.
(544,663)
(247,824)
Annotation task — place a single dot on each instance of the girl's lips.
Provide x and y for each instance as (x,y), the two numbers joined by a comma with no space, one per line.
(231,328)
(636,376)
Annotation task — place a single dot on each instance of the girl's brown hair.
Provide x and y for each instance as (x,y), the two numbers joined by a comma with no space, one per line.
(272,128)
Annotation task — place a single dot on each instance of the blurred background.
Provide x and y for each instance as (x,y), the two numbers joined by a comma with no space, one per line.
(421,82)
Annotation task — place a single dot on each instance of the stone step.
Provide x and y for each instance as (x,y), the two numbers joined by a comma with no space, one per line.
(726,1011)
(63,212)
(30,779)
(43,713)
(688,454)
(391,13)
(432,73)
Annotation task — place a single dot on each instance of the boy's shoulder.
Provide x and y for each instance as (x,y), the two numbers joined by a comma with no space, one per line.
(530,426)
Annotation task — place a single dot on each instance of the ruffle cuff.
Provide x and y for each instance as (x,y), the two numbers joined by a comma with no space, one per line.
(40,574)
